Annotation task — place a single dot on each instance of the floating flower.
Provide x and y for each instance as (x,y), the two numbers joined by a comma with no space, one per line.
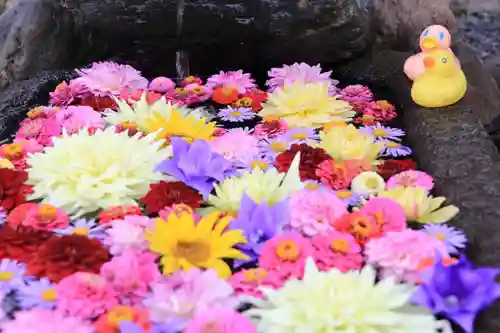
(224,95)
(259,223)
(3,215)
(166,194)
(411,178)
(190,80)
(21,243)
(37,294)
(310,158)
(306,105)
(75,118)
(357,93)
(268,186)
(419,206)
(349,197)
(45,320)
(270,128)
(83,227)
(197,93)
(161,84)
(62,95)
(130,274)
(359,224)
(453,238)
(271,148)
(300,135)
(196,165)
(367,183)
(46,217)
(386,213)
(286,254)
(82,173)
(338,250)
(186,294)
(313,212)
(220,321)
(184,245)
(109,78)
(85,295)
(12,188)
(110,321)
(11,274)
(395,149)
(247,282)
(382,132)
(242,82)
(400,254)
(389,168)
(62,256)
(339,175)
(42,130)
(252,98)
(236,114)
(238,146)
(380,110)
(112,213)
(306,305)
(124,235)
(297,73)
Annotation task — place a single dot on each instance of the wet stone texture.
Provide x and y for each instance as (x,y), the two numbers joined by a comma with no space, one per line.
(452,145)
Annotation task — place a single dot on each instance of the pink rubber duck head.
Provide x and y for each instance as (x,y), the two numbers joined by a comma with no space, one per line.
(435,37)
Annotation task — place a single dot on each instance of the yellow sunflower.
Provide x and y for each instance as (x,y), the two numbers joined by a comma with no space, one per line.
(185,244)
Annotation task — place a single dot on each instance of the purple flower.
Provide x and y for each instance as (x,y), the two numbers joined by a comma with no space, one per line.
(395,149)
(259,223)
(11,274)
(350,198)
(381,132)
(232,79)
(130,327)
(458,292)
(236,114)
(271,148)
(453,238)
(300,135)
(196,165)
(288,74)
(85,227)
(3,215)
(37,294)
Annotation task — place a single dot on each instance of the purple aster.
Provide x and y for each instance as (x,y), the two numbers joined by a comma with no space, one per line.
(270,148)
(458,292)
(288,74)
(236,114)
(232,79)
(196,165)
(394,149)
(109,79)
(300,135)
(130,327)
(453,238)
(349,197)
(3,215)
(85,227)
(357,93)
(384,133)
(259,223)
(11,274)
(37,294)
(260,162)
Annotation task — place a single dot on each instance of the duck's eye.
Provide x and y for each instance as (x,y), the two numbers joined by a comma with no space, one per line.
(444,60)
(426,32)
(441,35)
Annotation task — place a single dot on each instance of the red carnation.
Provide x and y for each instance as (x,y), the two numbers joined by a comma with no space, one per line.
(118,213)
(62,256)
(12,188)
(166,194)
(21,243)
(391,167)
(310,158)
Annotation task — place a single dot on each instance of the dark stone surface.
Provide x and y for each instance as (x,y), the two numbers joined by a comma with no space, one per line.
(34,36)
(22,96)
(453,146)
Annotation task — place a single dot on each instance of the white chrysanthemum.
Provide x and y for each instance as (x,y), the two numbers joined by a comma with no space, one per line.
(336,302)
(367,183)
(83,173)
(140,111)
(269,186)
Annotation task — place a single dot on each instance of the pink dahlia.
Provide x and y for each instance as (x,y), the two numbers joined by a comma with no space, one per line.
(237,145)
(85,295)
(46,217)
(42,130)
(288,74)
(401,254)
(313,212)
(65,94)
(161,84)
(357,93)
(130,275)
(126,234)
(29,146)
(248,281)
(411,178)
(286,255)
(232,79)
(220,321)
(109,78)
(337,250)
(43,321)
(380,111)
(74,118)
(387,213)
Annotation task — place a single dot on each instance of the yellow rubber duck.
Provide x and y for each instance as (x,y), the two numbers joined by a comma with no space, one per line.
(443,83)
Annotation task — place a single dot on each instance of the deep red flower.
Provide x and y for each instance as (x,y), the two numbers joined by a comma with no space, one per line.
(21,243)
(17,215)
(98,103)
(252,99)
(310,158)
(118,213)
(62,256)
(166,194)
(391,167)
(12,188)
(224,95)
(338,175)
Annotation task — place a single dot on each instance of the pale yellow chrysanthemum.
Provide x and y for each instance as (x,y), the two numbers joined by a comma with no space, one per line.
(83,173)
(306,105)
(269,186)
(336,302)
(137,113)
(419,206)
(348,143)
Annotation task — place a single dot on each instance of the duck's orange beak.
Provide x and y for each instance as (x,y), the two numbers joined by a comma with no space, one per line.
(429,62)
(429,43)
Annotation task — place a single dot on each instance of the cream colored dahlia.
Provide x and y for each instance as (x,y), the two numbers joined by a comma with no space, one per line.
(83,173)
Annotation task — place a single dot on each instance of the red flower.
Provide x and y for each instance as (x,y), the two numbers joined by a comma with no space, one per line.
(310,158)
(17,215)
(118,213)
(339,175)
(151,96)
(224,95)
(252,99)
(190,80)
(270,128)
(380,110)
(166,194)
(98,103)
(12,188)
(361,226)
(62,256)
(21,243)
(391,167)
